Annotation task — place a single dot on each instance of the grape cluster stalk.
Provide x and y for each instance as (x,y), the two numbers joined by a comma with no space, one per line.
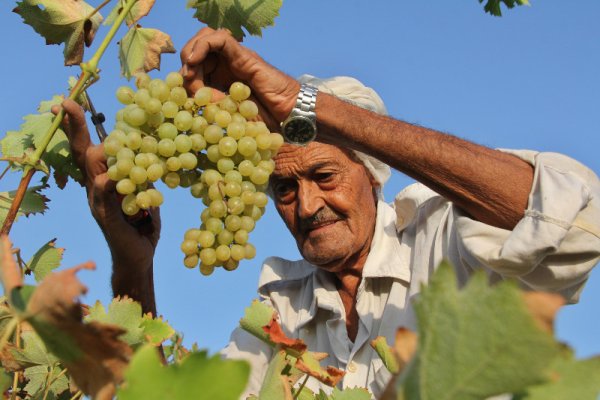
(217,149)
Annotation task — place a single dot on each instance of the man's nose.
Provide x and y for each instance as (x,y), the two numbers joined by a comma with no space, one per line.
(310,199)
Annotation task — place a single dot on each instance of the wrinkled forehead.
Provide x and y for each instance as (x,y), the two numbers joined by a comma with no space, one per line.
(293,160)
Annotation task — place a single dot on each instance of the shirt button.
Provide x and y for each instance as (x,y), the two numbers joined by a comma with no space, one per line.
(352,366)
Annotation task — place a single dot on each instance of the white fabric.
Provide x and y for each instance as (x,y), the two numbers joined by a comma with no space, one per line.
(553,247)
(353,91)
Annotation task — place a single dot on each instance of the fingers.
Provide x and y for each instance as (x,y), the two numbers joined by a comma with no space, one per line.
(76,130)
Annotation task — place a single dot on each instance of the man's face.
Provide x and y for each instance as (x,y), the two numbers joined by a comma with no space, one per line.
(327,201)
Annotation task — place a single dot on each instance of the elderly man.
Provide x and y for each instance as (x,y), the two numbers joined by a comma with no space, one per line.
(525,215)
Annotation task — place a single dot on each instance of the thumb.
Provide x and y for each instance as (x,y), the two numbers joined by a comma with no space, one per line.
(76,129)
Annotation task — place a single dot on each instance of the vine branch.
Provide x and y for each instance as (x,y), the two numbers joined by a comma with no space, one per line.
(90,72)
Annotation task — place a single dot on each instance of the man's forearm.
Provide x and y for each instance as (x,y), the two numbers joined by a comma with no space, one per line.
(491,186)
(138,287)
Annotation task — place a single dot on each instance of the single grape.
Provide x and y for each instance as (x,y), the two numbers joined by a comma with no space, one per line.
(178,96)
(241,236)
(142,97)
(198,142)
(143,200)
(206,269)
(183,143)
(259,176)
(222,118)
(125,95)
(134,140)
(149,145)
(170,109)
(233,223)
(183,120)
(233,176)
(124,165)
(211,176)
(215,225)
(237,252)
(208,255)
(250,251)
(222,252)
(276,142)
(213,154)
(231,264)
(135,116)
(192,234)
(156,197)
(247,197)
(214,192)
(153,106)
(154,172)
(188,161)
(225,164)
(247,146)
(235,205)
(203,96)
(218,208)
(173,164)
(114,174)
(260,199)
(172,179)
(233,189)
(189,247)
(142,80)
(112,145)
(159,90)
(199,124)
(238,91)
(225,237)
(138,175)
(213,133)
(129,205)
(155,120)
(198,190)
(174,79)
(206,239)
(191,261)
(166,147)
(209,112)
(227,146)
(247,223)
(125,186)
(263,140)
(246,167)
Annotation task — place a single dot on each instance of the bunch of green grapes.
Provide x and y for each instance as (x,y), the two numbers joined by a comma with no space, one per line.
(217,149)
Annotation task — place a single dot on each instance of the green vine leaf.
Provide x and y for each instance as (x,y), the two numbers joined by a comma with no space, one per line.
(127,314)
(197,377)
(255,317)
(59,22)
(45,260)
(34,202)
(16,145)
(253,15)
(571,379)
(139,10)
(141,48)
(276,385)
(468,353)
(493,6)
(351,394)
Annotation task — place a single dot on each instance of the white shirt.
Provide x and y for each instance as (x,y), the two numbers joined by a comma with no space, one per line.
(553,247)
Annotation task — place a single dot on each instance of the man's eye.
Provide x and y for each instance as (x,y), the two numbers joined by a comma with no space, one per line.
(281,189)
(324,176)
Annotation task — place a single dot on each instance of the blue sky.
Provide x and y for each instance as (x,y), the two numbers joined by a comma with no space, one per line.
(526,80)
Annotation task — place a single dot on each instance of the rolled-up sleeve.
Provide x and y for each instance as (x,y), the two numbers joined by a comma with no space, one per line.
(556,243)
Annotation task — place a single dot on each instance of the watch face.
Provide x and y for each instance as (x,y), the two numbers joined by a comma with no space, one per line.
(299,130)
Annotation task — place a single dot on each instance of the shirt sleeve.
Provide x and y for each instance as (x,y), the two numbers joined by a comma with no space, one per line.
(245,346)
(556,243)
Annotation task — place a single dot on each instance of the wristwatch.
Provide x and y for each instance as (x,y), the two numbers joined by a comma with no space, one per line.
(300,127)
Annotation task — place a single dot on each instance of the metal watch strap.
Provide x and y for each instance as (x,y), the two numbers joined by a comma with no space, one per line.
(307,98)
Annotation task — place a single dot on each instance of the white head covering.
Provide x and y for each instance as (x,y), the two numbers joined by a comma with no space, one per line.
(353,91)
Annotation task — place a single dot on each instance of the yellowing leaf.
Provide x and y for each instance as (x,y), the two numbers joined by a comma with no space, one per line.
(60,21)
(156,330)
(253,15)
(140,9)
(141,48)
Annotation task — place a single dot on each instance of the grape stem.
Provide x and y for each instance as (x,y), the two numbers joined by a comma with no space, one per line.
(89,72)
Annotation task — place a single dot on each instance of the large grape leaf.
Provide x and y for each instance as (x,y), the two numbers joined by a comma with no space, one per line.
(571,379)
(139,10)
(141,48)
(276,385)
(34,202)
(60,21)
(253,15)
(17,144)
(493,6)
(476,342)
(45,260)
(197,377)
(127,314)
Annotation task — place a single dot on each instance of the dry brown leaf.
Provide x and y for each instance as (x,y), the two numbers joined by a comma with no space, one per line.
(309,364)
(543,307)
(405,346)
(277,336)
(102,359)
(9,271)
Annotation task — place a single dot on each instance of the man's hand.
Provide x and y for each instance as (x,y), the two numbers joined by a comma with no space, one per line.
(214,58)
(132,248)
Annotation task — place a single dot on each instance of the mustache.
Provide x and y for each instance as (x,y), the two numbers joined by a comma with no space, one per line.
(321,217)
